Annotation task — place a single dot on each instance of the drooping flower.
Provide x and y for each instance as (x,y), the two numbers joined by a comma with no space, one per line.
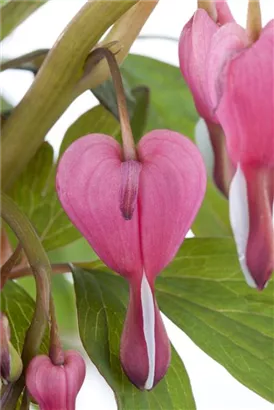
(194,45)
(10,360)
(135,215)
(242,91)
(55,387)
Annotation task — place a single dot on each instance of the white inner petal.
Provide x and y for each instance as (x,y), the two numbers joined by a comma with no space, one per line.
(149,329)
(239,219)
(203,142)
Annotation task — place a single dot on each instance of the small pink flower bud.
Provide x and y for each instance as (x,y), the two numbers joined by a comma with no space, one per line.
(10,360)
(56,387)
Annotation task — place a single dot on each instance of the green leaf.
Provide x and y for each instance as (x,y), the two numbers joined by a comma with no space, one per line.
(203,292)
(77,251)
(212,219)
(101,304)
(18,306)
(171,106)
(34,192)
(97,120)
(171,103)
(14,12)
(137,104)
(31,61)
(64,300)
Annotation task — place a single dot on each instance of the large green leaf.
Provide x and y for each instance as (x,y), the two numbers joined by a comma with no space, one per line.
(171,103)
(18,306)
(97,120)
(34,192)
(77,251)
(171,106)
(101,304)
(64,301)
(204,293)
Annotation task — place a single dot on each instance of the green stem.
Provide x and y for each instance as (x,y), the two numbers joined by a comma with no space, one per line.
(41,269)
(15,12)
(52,90)
(127,137)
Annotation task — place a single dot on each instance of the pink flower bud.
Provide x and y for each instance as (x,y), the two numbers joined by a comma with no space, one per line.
(159,197)
(56,387)
(10,360)
(194,46)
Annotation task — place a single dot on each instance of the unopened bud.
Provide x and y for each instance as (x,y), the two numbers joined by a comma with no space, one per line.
(11,363)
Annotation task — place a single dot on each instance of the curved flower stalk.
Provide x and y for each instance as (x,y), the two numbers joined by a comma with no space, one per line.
(194,47)
(135,215)
(55,387)
(242,91)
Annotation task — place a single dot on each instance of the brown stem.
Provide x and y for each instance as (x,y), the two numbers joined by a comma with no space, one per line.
(10,263)
(26,271)
(254,20)
(127,137)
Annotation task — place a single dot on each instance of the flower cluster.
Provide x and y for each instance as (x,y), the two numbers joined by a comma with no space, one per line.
(230,73)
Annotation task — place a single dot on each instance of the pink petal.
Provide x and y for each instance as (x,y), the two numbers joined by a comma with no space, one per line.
(88,185)
(223,12)
(226,43)
(194,45)
(145,348)
(75,369)
(172,186)
(251,214)
(47,383)
(247,101)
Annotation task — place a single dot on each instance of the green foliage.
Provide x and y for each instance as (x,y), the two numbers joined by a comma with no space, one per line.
(204,293)
(77,251)
(34,192)
(101,300)
(18,306)
(64,300)
(97,120)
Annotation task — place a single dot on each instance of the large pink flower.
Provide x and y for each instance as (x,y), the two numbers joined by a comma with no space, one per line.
(241,78)
(194,45)
(135,215)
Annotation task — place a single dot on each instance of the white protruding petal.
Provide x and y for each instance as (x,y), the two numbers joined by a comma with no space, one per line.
(203,142)
(148,311)
(239,219)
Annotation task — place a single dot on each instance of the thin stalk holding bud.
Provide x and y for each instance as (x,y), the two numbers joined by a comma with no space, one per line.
(254,20)
(56,352)
(209,7)
(127,137)
(41,270)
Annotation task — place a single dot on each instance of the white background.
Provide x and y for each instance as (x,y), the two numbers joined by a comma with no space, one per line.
(213,387)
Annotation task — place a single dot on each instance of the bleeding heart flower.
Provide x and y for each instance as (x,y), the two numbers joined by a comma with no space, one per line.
(56,387)
(135,215)
(194,45)
(242,91)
